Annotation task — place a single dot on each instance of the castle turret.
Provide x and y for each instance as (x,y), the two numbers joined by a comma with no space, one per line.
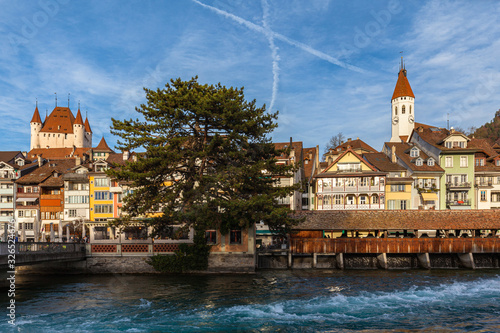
(36,126)
(79,130)
(88,133)
(402,108)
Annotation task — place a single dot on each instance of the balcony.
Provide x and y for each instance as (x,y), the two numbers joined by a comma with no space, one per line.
(456,185)
(458,204)
(484,183)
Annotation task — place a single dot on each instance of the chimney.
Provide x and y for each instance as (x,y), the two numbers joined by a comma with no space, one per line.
(452,130)
(40,162)
(78,160)
(126,155)
(349,140)
(393,155)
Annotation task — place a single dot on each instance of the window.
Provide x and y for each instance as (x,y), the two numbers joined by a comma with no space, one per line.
(103,209)
(403,204)
(497,162)
(72,213)
(448,144)
(338,199)
(397,188)
(101,182)
(20,213)
(410,109)
(403,109)
(483,195)
(211,236)
(414,152)
(449,162)
(102,195)
(395,110)
(419,162)
(375,199)
(79,199)
(235,237)
(101,233)
(430,162)
(463,161)
(362,200)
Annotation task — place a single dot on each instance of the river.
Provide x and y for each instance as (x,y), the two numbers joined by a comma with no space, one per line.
(269,301)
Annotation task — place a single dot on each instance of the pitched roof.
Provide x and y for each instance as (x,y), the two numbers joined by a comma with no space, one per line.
(435,136)
(60,120)
(78,119)
(43,174)
(87,126)
(395,219)
(309,155)
(403,153)
(103,147)
(117,158)
(58,153)
(355,145)
(325,172)
(36,117)
(382,162)
(484,145)
(403,87)
(9,156)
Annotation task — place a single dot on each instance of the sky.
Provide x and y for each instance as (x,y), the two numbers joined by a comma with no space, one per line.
(327,66)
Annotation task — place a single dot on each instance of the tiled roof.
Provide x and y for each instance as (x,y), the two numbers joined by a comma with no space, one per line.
(36,117)
(58,153)
(398,219)
(78,119)
(435,136)
(60,120)
(403,153)
(9,156)
(484,145)
(325,173)
(296,145)
(355,145)
(42,174)
(117,158)
(103,147)
(87,126)
(382,163)
(309,155)
(403,87)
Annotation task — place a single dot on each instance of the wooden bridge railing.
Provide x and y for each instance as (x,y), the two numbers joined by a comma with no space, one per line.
(394,245)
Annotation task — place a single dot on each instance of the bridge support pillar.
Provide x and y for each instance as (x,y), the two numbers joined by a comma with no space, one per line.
(339,258)
(424,260)
(382,260)
(467,259)
(315,260)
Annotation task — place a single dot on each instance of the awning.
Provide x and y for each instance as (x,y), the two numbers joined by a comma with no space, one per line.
(429,196)
(26,199)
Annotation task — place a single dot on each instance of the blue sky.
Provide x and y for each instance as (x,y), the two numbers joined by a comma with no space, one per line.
(327,66)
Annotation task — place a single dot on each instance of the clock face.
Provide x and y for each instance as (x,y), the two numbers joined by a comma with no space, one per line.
(411,120)
(395,120)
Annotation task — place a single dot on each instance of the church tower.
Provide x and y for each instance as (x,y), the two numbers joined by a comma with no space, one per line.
(402,108)
(36,126)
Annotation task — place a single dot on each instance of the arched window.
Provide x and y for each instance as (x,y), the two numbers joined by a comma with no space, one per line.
(403,109)
(410,109)
(395,110)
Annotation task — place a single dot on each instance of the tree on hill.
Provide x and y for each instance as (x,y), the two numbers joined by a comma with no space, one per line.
(208,162)
(490,130)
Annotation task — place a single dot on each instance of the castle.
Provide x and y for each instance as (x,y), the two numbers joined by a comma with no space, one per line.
(61,129)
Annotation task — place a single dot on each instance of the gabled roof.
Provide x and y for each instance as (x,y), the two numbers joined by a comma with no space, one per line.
(483,145)
(58,153)
(103,147)
(10,156)
(117,158)
(43,174)
(355,145)
(60,120)
(36,117)
(382,162)
(403,87)
(436,136)
(309,154)
(349,150)
(403,153)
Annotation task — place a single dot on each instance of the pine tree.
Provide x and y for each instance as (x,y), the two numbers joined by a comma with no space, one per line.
(208,161)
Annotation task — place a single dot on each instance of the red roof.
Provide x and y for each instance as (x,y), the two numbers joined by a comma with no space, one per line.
(87,125)
(60,120)
(78,120)
(103,146)
(36,117)
(57,153)
(402,86)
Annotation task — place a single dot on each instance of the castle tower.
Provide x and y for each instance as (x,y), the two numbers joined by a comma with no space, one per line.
(78,130)
(88,133)
(36,126)
(402,108)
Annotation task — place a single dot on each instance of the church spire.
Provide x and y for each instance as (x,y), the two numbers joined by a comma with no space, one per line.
(403,87)
(36,115)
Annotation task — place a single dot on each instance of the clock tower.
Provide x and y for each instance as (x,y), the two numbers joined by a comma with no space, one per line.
(402,108)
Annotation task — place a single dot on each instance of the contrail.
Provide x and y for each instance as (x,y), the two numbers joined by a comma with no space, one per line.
(302,46)
(274,52)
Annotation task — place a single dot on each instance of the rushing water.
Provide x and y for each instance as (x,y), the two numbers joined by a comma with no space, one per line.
(287,301)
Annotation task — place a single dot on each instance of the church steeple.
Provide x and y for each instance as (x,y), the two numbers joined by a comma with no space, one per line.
(36,116)
(402,108)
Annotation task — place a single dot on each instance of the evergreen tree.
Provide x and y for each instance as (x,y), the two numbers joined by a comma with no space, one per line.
(208,162)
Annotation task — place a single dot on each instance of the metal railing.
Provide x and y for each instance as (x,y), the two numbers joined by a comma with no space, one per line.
(30,247)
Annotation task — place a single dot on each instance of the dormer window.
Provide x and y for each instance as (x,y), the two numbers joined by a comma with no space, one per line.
(419,162)
(497,162)
(414,152)
(430,162)
(448,144)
